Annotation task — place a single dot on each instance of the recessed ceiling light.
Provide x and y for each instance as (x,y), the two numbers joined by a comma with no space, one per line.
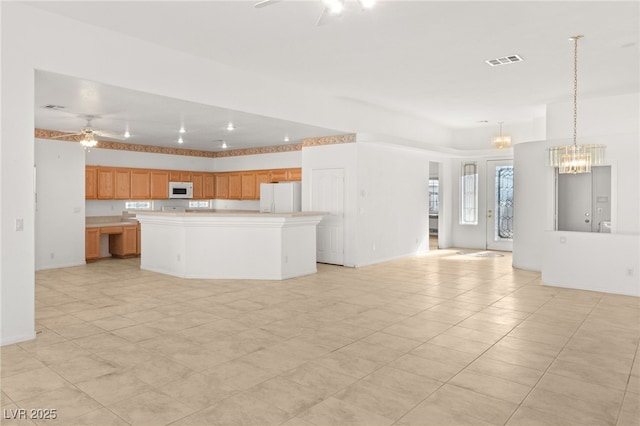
(182,130)
(127,134)
(224,145)
(180,140)
(286,138)
(230,127)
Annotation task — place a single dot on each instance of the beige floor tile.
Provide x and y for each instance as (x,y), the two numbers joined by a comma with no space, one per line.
(290,397)
(519,357)
(100,342)
(371,352)
(32,383)
(505,370)
(84,368)
(475,335)
(461,404)
(241,410)
(473,347)
(150,408)
(43,338)
(345,364)
(200,357)
(297,421)
(239,374)
(197,390)
(17,362)
(336,412)
(114,323)
(630,411)
(426,367)
(159,370)
(102,417)
(378,400)
(113,387)
(596,394)
(12,414)
(68,404)
(126,356)
(58,352)
(526,416)
(137,333)
(417,328)
(390,341)
(571,409)
(443,354)
(490,385)
(606,376)
(429,413)
(412,387)
(324,379)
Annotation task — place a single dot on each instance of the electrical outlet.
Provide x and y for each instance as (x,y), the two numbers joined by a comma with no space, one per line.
(563,240)
(630,272)
(19,224)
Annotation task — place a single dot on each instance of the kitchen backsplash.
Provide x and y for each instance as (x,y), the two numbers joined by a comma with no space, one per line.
(115,207)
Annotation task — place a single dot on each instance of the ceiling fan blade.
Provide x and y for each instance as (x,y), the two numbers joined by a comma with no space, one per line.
(109,135)
(322,20)
(264,3)
(66,135)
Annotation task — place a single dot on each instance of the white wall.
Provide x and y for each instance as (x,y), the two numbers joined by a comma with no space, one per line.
(393,202)
(612,121)
(280,160)
(148,160)
(60,207)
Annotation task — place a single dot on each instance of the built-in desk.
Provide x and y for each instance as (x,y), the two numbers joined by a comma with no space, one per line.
(123,237)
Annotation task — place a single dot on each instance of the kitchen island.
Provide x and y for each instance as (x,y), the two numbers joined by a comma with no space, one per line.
(229,245)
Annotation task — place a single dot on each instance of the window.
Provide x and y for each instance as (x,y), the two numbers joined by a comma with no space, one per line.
(434,204)
(137,205)
(504,203)
(469,194)
(203,204)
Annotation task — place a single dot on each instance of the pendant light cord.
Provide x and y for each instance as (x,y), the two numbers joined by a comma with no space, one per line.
(575,88)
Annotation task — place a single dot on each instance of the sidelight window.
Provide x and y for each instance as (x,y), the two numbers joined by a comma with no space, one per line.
(469,194)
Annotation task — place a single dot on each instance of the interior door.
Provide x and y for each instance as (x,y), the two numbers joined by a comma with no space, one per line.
(500,205)
(327,195)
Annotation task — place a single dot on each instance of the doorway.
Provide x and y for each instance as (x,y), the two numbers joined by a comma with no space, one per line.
(327,195)
(500,205)
(583,201)
(434,204)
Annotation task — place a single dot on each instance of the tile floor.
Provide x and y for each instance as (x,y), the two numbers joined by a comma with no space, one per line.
(442,339)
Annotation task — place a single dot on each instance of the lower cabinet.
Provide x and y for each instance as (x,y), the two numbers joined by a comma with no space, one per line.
(91,243)
(124,241)
(125,244)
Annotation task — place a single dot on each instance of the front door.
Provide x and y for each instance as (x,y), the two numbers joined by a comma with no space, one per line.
(500,205)
(327,195)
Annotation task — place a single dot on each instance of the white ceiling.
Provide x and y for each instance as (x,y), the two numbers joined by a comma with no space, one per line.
(421,58)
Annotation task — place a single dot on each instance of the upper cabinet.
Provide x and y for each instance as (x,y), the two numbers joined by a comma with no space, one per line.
(106,187)
(140,184)
(159,184)
(91,183)
(119,183)
(122,184)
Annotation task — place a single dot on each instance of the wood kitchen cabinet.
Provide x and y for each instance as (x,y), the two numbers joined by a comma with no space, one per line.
(159,184)
(174,175)
(122,184)
(222,186)
(262,176)
(126,243)
(91,243)
(283,175)
(140,184)
(91,183)
(185,176)
(248,185)
(198,185)
(235,186)
(209,186)
(138,239)
(106,187)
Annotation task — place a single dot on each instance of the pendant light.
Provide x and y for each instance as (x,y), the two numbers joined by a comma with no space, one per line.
(501,141)
(574,159)
(88,141)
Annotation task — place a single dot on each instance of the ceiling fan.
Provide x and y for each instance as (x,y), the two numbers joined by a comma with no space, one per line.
(89,134)
(332,8)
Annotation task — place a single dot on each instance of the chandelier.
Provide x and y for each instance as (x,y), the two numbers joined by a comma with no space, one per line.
(501,141)
(88,141)
(574,159)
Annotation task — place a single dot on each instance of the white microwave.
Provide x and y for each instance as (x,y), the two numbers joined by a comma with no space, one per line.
(180,190)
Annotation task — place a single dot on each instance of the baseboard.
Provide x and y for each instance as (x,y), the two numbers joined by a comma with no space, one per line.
(10,340)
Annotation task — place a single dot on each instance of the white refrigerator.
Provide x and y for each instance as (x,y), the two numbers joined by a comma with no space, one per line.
(280,197)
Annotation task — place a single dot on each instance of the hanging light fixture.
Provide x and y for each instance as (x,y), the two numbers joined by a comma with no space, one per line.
(501,141)
(88,141)
(575,158)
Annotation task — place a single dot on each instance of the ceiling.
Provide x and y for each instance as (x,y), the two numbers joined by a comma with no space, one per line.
(421,58)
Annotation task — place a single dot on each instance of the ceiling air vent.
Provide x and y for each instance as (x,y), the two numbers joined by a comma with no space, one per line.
(51,106)
(504,60)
